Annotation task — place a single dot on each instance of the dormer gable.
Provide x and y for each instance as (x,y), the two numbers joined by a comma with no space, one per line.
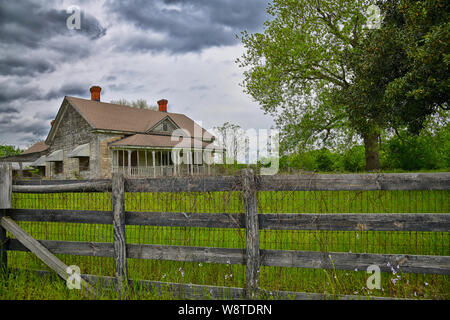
(165,126)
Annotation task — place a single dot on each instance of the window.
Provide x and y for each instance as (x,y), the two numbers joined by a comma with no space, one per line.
(164,126)
(83,163)
(58,167)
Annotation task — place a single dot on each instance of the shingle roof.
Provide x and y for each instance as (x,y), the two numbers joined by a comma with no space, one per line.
(151,140)
(108,116)
(37,147)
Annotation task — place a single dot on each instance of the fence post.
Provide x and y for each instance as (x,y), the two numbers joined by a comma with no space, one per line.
(5,203)
(252,232)
(120,253)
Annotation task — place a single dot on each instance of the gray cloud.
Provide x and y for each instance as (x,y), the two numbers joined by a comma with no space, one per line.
(9,110)
(29,26)
(41,61)
(68,89)
(13,91)
(187,26)
(20,66)
(45,115)
(30,23)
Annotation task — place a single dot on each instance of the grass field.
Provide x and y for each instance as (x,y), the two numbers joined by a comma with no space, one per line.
(272,278)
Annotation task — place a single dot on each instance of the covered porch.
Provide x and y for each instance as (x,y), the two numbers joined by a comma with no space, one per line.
(159,162)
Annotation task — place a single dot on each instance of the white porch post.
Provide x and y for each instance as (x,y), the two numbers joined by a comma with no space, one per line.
(191,162)
(123,161)
(174,153)
(154,168)
(137,159)
(129,162)
(209,162)
(146,164)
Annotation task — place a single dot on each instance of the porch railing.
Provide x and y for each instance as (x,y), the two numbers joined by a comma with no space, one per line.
(162,171)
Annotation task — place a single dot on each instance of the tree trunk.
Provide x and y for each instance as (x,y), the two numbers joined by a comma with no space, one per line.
(371,148)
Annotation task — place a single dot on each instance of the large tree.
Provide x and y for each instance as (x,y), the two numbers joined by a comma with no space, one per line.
(324,74)
(299,66)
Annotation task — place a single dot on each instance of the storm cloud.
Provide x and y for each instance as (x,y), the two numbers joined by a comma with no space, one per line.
(178,26)
(28,29)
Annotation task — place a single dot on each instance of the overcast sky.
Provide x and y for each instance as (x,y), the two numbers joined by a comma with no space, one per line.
(180,50)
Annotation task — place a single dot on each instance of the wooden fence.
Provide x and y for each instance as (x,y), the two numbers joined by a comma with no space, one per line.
(252,256)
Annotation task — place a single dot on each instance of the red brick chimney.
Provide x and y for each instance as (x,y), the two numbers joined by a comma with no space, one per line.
(52,122)
(95,93)
(162,105)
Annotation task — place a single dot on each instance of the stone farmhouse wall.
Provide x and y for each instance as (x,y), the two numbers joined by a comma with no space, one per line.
(72,132)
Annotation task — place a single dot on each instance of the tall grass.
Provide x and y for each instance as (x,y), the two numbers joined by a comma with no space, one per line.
(272,278)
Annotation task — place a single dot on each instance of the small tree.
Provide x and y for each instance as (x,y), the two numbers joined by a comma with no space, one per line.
(231,137)
(139,103)
(8,150)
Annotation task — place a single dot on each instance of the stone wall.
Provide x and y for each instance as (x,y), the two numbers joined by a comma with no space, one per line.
(73,131)
(105,154)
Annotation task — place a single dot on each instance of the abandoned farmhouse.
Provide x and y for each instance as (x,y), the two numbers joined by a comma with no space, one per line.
(91,139)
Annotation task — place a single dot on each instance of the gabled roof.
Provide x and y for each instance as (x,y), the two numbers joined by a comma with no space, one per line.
(151,140)
(113,117)
(37,147)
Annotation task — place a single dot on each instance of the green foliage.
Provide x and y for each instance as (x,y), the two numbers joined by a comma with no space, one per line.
(6,151)
(139,103)
(425,39)
(353,159)
(422,152)
(294,68)
(430,150)
(324,76)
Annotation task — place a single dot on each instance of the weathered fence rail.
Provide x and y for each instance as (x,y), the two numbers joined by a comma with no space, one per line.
(304,182)
(437,222)
(252,256)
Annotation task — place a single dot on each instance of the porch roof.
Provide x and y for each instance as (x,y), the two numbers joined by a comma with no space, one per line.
(39,162)
(55,156)
(160,141)
(80,151)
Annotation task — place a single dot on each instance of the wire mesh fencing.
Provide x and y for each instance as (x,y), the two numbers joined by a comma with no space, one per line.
(394,284)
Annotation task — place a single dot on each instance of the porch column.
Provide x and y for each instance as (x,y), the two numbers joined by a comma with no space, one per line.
(174,163)
(137,165)
(146,164)
(123,161)
(191,162)
(154,168)
(129,163)
(209,162)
